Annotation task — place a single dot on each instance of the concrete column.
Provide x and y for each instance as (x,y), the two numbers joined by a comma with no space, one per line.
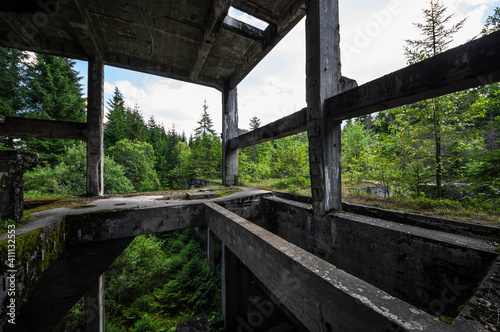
(94,307)
(95,128)
(323,81)
(234,291)
(229,130)
(210,246)
(12,167)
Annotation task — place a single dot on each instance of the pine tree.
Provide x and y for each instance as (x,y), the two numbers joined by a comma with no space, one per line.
(114,128)
(436,40)
(205,124)
(436,36)
(12,88)
(53,93)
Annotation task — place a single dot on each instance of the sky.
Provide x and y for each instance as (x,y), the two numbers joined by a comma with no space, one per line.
(372,39)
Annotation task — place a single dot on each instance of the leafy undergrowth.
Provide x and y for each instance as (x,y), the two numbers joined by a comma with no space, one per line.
(476,209)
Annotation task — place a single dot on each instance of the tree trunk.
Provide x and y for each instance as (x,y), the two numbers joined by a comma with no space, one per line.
(437,138)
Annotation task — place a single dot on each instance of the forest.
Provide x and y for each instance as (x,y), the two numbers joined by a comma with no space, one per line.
(440,156)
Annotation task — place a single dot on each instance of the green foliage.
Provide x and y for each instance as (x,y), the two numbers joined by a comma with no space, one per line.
(291,161)
(138,160)
(160,281)
(68,177)
(492,23)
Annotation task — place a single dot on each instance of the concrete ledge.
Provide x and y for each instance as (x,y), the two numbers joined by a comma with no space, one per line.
(414,264)
(202,195)
(466,228)
(321,296)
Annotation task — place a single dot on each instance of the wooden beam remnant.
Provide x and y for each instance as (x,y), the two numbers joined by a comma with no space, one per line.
(473,64)
(19,127)
(95,123)
(289,125)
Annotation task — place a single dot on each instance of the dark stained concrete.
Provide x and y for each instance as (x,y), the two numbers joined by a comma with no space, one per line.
(188,40)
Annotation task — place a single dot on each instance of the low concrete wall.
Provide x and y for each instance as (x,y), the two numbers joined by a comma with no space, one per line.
(435,271)
(321,296)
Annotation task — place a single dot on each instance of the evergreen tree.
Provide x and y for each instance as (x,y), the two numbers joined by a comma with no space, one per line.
(114,128)
(53,93)
(436,39)
(205,124)
(436,36)
(12,88)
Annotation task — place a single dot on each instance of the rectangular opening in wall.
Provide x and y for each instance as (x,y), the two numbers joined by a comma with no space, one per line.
(247,18)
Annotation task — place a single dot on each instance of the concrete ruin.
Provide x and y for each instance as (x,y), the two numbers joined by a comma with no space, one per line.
(322,264)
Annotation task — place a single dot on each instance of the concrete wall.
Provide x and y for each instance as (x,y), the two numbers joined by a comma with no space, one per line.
(434,271)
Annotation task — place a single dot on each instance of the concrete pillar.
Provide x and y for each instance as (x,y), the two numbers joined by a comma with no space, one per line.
(94,307)
(234,291)
(229,130)
(210,246)
(95,128)
(323,81)
(11,183)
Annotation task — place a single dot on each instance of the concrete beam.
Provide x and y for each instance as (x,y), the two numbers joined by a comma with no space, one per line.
(95,127)
(467,66)
(19,127)
(94,306)
(82,27)
(118,224)
(229,130)
(323,81)
(234,291)
(64,282)
(158,68)
(289,125)
(217,12)
(243,29)
(321,296)
(294,14)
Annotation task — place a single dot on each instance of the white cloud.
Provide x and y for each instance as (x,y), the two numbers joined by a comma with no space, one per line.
(170,102)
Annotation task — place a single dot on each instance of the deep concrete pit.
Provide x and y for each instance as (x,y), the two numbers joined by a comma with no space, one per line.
(411,273)
(435,271)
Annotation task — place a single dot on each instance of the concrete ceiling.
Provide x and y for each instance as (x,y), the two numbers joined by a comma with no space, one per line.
(194,40)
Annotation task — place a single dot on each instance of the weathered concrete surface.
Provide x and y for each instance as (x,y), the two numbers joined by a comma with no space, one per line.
(201,195)
(289,125)
(210,48)
(229,131)
(65,282)
(465,228)
(12,184)
(95,128)
(18,127)
(411,263)
(94,306)
(321,296)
